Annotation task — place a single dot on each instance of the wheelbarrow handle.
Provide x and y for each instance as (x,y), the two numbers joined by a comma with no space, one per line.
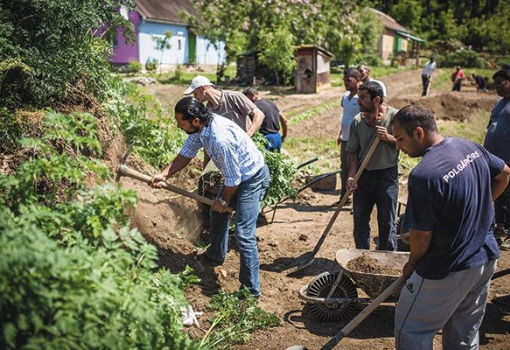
(363,314)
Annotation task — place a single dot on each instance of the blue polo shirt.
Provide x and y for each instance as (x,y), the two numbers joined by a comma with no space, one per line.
(450,195)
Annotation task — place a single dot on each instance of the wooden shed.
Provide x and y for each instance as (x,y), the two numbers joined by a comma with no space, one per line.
(312,70)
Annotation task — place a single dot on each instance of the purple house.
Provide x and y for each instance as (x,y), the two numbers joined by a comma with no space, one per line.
(154,17)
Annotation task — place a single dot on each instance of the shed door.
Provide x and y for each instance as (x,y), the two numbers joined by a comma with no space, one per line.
(192,48)
(398,44)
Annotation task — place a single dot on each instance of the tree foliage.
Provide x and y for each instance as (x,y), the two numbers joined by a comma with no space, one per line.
(273,27)
(482,24)
(59,44)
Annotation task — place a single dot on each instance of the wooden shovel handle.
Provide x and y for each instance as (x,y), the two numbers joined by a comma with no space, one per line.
(124,170)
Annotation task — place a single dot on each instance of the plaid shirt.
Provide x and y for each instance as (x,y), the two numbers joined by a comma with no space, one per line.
(230,148)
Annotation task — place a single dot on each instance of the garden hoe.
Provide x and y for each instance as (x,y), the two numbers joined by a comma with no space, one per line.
(307,258)
(124,170)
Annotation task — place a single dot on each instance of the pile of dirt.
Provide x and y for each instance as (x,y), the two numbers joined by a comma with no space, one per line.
(449,106)
(366,264)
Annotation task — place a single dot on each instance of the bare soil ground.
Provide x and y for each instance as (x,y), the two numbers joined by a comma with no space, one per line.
(172,223)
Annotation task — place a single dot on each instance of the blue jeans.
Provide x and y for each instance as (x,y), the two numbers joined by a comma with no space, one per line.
(246,202)
(379,187)
(275,141)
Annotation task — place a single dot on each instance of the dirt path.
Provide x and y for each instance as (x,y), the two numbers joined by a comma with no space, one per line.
(170,222)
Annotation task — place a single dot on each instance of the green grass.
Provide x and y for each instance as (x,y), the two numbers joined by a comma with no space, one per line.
(473,129)
(306,148)
(312,112)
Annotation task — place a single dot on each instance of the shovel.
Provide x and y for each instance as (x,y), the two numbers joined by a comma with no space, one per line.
(307,258)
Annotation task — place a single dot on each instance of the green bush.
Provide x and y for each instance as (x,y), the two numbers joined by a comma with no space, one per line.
(134,67)
(56,40)
(151,64)
(81,297)
(463,58)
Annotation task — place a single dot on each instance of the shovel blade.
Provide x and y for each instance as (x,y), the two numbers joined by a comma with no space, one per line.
(302,262)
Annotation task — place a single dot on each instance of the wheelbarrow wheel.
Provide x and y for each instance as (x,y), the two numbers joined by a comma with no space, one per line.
(402,244)
(320,288)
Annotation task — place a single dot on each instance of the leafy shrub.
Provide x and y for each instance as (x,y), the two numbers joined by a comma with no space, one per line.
(370,59)
(463,58)
(238,316)
(56,40)
(282,173)
(57,297)
(178,73)
(153,132)
(151,64)
(134,67)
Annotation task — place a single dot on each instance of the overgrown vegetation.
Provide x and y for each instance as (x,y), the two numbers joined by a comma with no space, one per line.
(238,316)
(73,274)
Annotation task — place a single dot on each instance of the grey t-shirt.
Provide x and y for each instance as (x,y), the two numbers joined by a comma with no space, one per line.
(497,139)
(361,137)
(236,107)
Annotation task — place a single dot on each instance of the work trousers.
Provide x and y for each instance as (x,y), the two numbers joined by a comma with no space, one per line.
(246,202)
(425,82)
(275,141)
(502,208)
(455,304)
(379,187)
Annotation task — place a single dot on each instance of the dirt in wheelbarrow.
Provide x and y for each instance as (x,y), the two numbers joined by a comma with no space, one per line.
(171,223)
(366,264)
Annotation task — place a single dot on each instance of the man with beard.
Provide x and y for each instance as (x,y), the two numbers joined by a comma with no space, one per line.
(232,105)
(379,182)
(246,180)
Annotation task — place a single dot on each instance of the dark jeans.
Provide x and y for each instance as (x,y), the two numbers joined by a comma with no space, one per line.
(457,87)
(246,203)
(275,141)
(379,187)
(425,82)
(502,208)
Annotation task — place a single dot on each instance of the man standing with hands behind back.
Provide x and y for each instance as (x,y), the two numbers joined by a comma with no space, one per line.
(453,250)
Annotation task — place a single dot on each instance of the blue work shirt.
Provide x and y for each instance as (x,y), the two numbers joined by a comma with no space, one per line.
(450,195)
(497,139)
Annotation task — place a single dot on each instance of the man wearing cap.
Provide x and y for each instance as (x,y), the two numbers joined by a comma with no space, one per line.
(232,105)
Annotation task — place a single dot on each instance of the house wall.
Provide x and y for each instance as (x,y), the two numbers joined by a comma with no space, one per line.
(144,47)
(122,52)
(386,46)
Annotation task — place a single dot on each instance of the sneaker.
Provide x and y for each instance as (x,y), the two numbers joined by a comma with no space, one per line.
(505,245)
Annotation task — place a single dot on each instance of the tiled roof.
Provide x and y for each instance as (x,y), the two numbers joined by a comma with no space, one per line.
(389,22)
(165,10)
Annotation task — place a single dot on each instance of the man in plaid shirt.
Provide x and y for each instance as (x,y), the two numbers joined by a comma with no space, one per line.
(246,180)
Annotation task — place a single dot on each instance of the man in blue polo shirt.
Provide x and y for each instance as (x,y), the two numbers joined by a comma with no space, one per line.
(246,180)
(453,249)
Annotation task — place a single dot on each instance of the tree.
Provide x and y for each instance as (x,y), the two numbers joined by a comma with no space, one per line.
(162,44)
(58,47)
(259,24)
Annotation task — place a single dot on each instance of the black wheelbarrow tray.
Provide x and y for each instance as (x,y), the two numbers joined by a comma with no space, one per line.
(331,296)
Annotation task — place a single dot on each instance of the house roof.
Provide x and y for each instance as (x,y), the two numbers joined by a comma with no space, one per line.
(389,22)
(165,10)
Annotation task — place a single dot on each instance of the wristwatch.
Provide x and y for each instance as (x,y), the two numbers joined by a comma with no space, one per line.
(222,202)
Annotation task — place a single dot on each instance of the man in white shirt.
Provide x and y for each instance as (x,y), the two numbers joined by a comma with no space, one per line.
(426,75)
(365,77)
(350,106)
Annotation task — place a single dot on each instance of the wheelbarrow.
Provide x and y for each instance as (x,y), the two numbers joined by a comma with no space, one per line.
(331,296)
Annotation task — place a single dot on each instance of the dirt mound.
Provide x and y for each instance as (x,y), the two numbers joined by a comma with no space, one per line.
(366,264)
(448,106)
